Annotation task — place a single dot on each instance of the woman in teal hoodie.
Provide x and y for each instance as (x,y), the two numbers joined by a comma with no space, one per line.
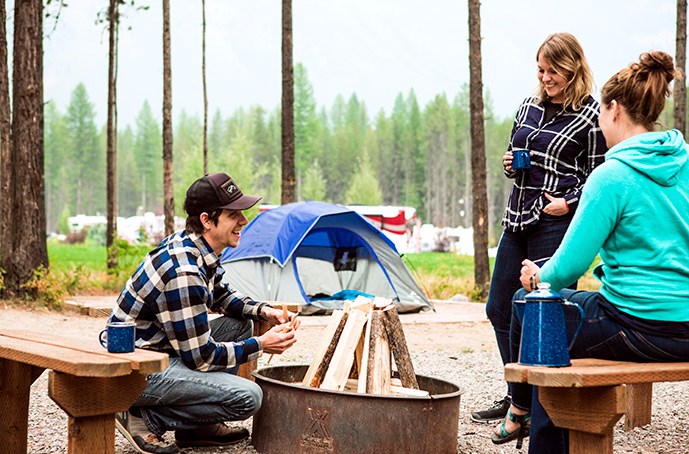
(633,212)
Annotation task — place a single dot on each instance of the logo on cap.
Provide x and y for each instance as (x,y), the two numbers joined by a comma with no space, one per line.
(231,189)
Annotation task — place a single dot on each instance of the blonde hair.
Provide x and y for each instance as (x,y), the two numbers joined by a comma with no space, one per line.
(565,54)
(641,88)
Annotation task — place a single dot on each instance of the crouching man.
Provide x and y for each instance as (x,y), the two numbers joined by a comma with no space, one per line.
(169,297)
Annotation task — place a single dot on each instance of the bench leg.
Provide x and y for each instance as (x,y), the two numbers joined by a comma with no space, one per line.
(91,403)
(15,388)
(639,403)
(589,413)
(91,434)
(588,443)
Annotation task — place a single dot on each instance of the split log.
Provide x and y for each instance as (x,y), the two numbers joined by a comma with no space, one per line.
(324,353)
(351,385)
(360,303)
(408,392)
(343,358)
(364,354)
(379,370)
(398,345)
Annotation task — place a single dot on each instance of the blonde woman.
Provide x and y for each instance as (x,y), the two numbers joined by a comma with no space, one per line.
(559,128)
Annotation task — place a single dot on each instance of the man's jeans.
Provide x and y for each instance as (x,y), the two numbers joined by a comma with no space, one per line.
(181,398)
(600,337)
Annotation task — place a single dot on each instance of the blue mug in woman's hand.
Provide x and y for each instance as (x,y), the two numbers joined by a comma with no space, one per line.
(521,159)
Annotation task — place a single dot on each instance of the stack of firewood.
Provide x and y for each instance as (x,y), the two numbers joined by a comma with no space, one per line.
(357,348)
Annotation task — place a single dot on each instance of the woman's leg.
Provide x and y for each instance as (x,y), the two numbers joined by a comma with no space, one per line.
(544,238)
(503,284)
(600,337)
(521,392)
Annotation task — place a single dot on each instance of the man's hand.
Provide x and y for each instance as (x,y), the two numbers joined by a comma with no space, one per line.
(278,339)
(557,206)
(277,316)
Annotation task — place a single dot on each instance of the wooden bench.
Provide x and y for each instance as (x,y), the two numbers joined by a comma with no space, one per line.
(590,396)
(86,381)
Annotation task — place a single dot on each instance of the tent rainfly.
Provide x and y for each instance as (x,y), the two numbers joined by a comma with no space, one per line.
(319,254)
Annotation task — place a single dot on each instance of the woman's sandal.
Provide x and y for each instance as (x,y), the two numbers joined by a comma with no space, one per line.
(520,433)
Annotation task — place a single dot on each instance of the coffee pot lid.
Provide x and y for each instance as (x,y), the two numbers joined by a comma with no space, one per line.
(543,292)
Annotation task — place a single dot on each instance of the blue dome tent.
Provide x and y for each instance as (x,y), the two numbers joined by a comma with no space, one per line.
(318,254)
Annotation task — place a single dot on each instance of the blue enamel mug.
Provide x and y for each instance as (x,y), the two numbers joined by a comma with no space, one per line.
(119,337)
(544,336)
(521,159)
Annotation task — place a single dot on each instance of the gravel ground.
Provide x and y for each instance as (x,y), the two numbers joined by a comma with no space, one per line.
(462,353)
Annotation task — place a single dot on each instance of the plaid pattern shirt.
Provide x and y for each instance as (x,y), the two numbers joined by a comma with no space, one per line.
(564,151)
(169,297)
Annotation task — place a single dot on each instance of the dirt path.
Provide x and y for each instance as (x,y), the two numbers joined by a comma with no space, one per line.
(443,330)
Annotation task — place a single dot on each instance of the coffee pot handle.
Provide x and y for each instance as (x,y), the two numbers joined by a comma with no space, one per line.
(582,318)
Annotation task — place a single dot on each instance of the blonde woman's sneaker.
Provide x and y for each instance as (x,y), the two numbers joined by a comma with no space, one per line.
(143,440)
(495,413)
(212,435)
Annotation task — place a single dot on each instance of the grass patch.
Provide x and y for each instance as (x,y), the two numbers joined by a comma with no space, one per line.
(64,257)
(443,275)
(81,269)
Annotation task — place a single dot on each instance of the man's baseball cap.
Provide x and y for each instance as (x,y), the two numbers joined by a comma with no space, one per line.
(216,191)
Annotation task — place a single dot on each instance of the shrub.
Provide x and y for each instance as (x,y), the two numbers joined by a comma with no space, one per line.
(47,288)
(96,234)
(75,237)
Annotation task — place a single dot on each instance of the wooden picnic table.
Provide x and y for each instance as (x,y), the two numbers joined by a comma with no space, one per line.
(591,395)
(86,381)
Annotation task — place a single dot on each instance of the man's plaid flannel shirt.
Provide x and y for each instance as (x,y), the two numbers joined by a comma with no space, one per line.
(169,297)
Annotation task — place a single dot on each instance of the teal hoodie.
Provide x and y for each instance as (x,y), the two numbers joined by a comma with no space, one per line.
(634,211)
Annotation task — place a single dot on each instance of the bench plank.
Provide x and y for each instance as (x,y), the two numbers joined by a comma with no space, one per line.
(583,375)
(62,359)
(144,361)
(597,372)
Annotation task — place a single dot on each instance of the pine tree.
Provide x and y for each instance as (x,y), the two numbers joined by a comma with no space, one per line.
(85,155)
(147,146)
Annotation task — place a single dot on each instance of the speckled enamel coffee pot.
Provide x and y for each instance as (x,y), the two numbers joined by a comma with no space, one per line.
(544,336)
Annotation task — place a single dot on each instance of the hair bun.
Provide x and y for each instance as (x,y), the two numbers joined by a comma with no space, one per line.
(658,61)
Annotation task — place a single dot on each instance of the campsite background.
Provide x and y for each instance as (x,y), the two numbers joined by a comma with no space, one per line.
(381,97)
(383,119)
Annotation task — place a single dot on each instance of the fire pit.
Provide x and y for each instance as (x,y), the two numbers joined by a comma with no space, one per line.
(300,419)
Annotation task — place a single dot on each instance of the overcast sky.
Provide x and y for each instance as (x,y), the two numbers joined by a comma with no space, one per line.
(374,48)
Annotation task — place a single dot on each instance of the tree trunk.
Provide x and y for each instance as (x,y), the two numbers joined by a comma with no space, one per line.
(5,139)
(111,152)
(478,152)
(288,172)
(168,194)
(205,89)
(25,249)
(680,89)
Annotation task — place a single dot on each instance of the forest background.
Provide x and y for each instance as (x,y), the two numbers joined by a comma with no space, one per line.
(423,154)
(417,156)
